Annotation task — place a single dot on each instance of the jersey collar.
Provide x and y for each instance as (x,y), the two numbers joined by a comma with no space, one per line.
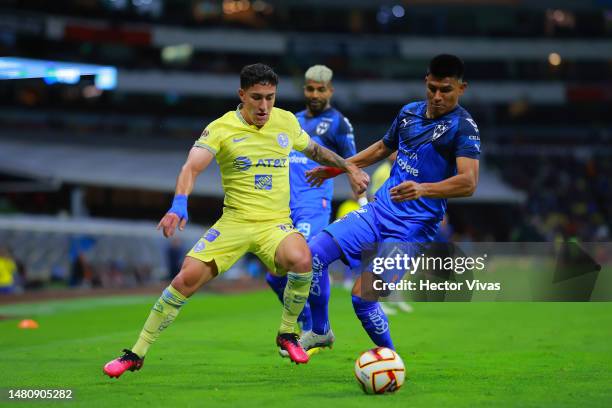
(243,120)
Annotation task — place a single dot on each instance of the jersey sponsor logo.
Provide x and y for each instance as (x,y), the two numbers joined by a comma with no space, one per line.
(205,133)
(242,163)
(322,127)
(317,273)
(276,163)
(263,182)
(474,137)
(378,320)
(298,159)
(239,139)
(405,166)
(283,140)
(211,235)
(199,247)
(439,130)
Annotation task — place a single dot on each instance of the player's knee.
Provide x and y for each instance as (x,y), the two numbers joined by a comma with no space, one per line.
(193,275)
(300,261)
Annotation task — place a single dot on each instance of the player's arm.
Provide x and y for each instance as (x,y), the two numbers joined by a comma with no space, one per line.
(357,177)
(197,161)
(344,140)
(463,184)
(371,155)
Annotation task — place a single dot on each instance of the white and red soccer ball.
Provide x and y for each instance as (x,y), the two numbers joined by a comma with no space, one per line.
(380,370)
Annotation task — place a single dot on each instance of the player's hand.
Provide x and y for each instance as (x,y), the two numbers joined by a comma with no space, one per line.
(358,178)
(176,216)
(169,222)
(406,191)
(318,175)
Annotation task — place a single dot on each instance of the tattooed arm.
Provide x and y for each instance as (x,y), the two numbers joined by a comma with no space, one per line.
(358,178)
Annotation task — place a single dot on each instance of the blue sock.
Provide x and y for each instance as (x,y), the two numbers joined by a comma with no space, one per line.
(374,321)
(324,251)
(278,283)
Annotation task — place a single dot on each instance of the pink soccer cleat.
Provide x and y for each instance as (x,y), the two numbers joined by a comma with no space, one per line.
(118,366)
(289,343)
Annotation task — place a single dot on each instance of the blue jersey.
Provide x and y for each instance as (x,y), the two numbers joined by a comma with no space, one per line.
(426,153)
(332,130)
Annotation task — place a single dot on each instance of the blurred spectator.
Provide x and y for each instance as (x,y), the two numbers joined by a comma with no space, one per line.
(8,270)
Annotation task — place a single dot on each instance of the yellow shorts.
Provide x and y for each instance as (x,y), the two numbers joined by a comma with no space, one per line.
(230,238)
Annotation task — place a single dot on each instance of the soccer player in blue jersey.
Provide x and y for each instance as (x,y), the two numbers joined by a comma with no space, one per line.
(311,207)
(438,148)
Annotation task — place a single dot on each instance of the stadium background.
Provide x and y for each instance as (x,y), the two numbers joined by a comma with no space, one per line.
(86,173)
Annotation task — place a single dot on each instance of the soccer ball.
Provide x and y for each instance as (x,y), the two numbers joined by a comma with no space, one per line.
(380,370)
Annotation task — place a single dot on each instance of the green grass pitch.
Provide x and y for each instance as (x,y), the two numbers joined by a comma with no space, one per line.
(220,352)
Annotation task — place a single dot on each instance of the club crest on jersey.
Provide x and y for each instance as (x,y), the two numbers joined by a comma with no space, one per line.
(283,140)
(440,130)
(322,127)
(242,163)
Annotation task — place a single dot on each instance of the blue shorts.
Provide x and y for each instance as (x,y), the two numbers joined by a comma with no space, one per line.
(310,221)
(370,226)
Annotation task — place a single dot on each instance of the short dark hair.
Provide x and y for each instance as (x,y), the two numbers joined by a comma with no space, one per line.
(446,65)
(257,74)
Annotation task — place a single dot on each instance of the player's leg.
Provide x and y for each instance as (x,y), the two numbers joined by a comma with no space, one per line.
(194,273)
(369,312)
(324,251)
(343,239)
(308,224)
(293,256)
(214,253)
(284,251)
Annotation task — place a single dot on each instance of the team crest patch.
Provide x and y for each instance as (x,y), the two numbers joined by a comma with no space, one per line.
(322,127)
(211,235)
(283,140)
(199,247)
(440,130)
(263,182)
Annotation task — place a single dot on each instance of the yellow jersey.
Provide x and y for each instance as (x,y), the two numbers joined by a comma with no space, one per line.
(254,162)
(380,175)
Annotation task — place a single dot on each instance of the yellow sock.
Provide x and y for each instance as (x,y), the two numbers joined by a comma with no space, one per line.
(163,313)
(294,298)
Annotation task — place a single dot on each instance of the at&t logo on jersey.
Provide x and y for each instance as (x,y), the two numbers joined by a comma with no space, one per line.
(242,163)
(276,163)
(263,182)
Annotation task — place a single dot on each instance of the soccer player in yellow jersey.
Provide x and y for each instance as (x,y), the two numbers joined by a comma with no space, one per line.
(251,146)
